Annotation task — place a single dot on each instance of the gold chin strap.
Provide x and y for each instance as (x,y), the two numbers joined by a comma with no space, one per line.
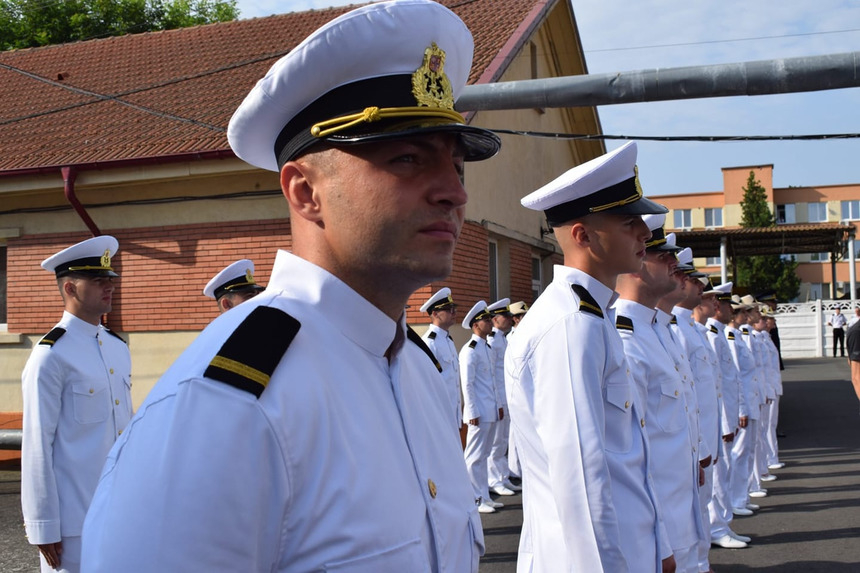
(371,114)
(89,268)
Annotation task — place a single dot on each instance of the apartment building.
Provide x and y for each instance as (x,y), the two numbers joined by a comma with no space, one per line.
(824,274)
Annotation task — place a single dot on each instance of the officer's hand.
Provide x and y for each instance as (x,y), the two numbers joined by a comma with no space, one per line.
(701,477)
(705,462)
(669,564)
(501,414)
(474,421)
(728,438)
(742,422)
(52,552)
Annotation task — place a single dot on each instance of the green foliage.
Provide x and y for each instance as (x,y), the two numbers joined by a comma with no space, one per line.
(762,272)
(32,23)
(756,212)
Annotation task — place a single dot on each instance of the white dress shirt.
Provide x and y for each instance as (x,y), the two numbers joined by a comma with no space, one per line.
(346,460)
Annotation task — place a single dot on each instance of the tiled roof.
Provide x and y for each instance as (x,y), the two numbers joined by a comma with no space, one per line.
(172,93)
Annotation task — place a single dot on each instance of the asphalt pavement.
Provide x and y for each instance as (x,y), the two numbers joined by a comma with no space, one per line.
(809,522)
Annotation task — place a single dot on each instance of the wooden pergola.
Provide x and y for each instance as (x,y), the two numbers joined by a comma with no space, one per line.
(733,243)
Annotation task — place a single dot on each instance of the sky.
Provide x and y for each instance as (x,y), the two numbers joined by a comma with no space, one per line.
(626,35)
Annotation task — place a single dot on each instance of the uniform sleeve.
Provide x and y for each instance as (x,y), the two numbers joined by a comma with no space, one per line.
(468,368)
(743,407)
(197,482)
(42,385)
(568,393)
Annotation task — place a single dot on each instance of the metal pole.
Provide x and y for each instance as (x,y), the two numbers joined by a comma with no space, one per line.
(852,271)
(787,75)
(10,439)
(724,257)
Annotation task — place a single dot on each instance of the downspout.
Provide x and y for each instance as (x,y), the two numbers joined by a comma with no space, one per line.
(69,176)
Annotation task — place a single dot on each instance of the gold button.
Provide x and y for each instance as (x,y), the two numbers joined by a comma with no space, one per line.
(117,401)
(432,487)
(120,433)
(111,370)
(628,371)
(676,392)
(676,368)
(627,404)
(642,422)
(100,342)
(91,391)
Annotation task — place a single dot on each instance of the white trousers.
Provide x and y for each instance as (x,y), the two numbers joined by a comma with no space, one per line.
(720,506)
(772,447)
(705,494)
(479,442)
(497,463)
(743,456)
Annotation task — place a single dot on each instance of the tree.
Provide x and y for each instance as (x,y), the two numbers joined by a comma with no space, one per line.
(32,23)
(762,272)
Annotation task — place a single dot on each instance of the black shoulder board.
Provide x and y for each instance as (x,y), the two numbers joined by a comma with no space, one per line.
(432,335)
(745,332)
(53,336)
(250,355)
(713,329)
(112,333)
(413,336)
(473,343)
(673,320)
(731,336)
(586,301)
(491,334)
(623,323)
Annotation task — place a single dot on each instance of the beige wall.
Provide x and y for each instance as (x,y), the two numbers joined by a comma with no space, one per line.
(151,354)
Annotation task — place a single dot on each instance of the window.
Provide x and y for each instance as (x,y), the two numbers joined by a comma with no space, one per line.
(494,271)
(819,257)
(537,278)
(683,219)
(818,212)
(785,214)
(818,291)
(714,217)
(713,261)
(850,210)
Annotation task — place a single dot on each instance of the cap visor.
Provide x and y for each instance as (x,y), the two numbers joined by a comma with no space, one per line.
(478,143)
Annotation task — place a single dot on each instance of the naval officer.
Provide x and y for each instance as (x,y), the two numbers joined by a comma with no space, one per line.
(308,428)
(443,315)
(77,401)
(588,499)
(233,285)
(482,404)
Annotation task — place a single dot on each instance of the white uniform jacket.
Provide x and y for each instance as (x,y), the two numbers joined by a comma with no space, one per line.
(711,421)
(705,373)
(480,395)
(773,366)
(77,400)
(748,396)
(730,387)
(588,500)
(666,329)
(498,343)
(756,352)
(760,345)
(283,439)
(675,460)
(443,348)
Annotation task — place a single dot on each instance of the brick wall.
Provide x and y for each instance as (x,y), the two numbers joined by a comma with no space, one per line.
(163,269)
(521,272)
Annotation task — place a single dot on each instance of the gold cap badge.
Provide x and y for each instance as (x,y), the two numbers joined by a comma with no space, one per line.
(430,84)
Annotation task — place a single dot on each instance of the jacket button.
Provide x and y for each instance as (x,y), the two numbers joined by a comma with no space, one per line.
(432,487)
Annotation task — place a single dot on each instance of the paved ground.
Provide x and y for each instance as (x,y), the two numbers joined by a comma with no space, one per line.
(810,521)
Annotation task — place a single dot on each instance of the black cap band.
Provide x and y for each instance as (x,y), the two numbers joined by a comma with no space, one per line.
(625,191)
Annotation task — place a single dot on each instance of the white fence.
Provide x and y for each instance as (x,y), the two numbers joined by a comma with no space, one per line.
(803,330)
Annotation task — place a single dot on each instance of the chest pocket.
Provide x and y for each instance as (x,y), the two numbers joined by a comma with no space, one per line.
(90,402)
(619,415)
(670,412)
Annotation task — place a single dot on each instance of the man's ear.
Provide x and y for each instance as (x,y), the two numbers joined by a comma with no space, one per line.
(579,233)
(69,288)
(225,303)
(298,181)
